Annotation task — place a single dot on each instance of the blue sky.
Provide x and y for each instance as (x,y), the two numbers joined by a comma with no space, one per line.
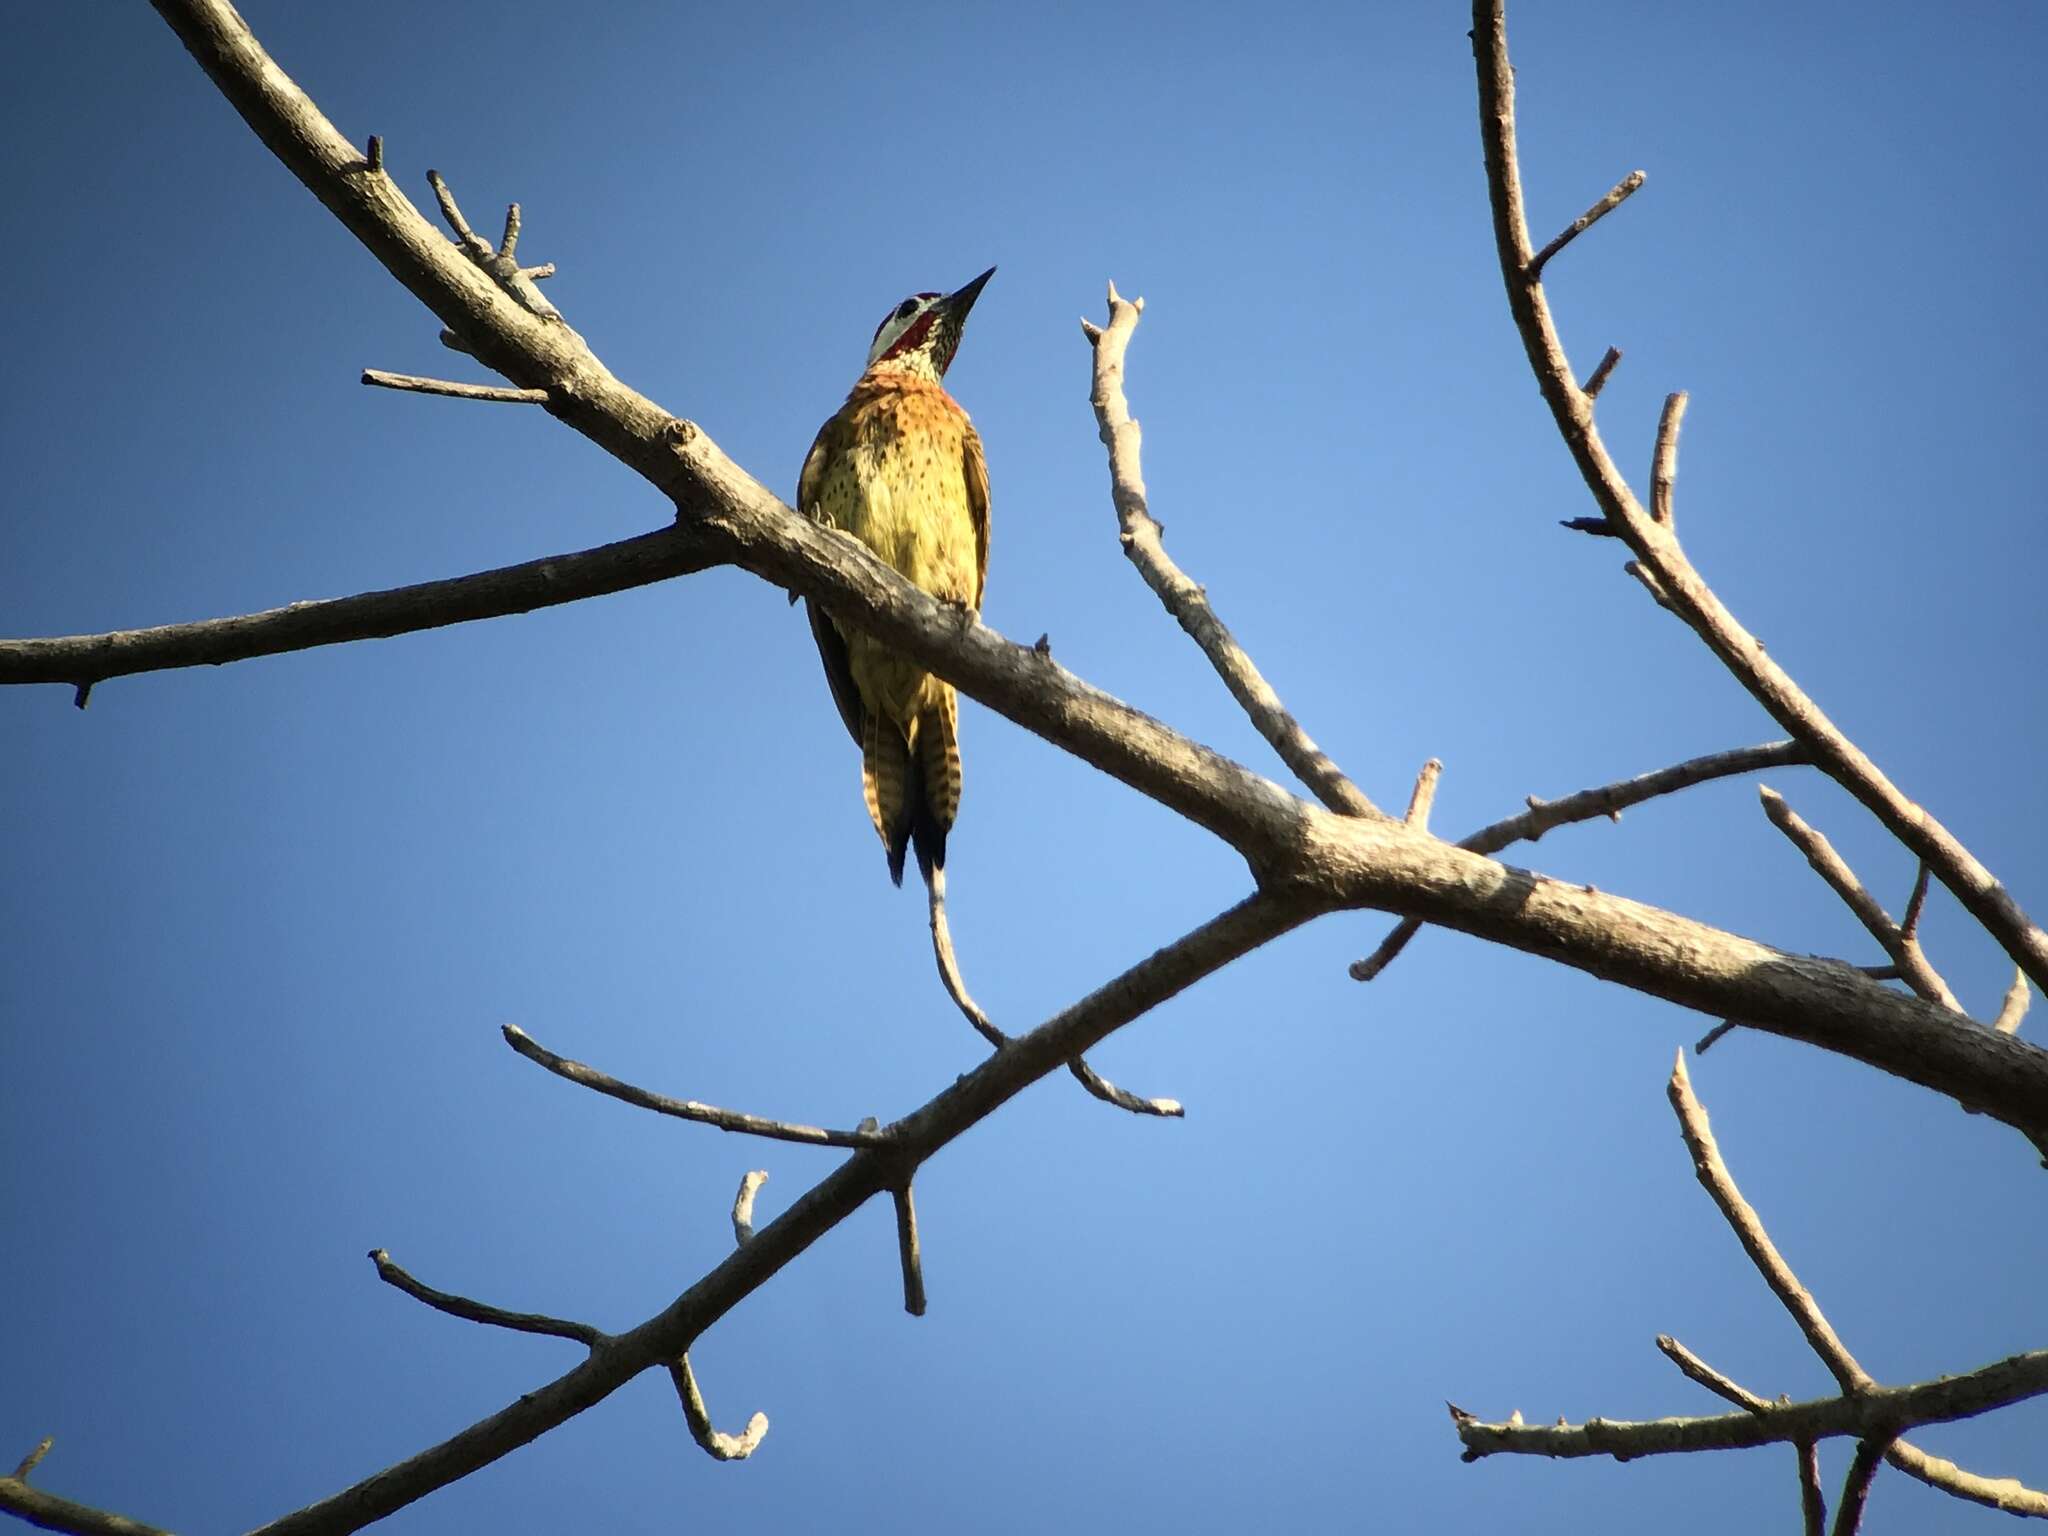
(259,925)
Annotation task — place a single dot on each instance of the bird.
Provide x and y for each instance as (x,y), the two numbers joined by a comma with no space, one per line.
(900,467)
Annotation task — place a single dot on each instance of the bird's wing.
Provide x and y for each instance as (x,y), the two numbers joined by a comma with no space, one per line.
(831,644)
(977,508)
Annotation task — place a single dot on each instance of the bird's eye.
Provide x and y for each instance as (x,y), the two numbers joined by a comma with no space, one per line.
(903,310)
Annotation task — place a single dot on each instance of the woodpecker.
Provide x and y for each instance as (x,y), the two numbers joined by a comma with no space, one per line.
(899,467)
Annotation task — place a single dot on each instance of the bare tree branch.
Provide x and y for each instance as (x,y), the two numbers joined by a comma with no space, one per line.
(1877,1411)
(2000,1493)
(743,1207)
(1184,599)
(956,988)
(1423,796)
(1620,193)
(683,1109)
(1856,1485)
(1608,363)
(1664,461)
(2014,1009)
(55,1514)
(664,1338)
(480,1312)
(1831,867)
(83,660)
(909,1252)
(1342,860)
(1698,1370)
(1608,800)
(1719,1184)
(1663,562)
(34,1458)
(1813,1505)
(1874,1414)
(454,389)
(719,1447)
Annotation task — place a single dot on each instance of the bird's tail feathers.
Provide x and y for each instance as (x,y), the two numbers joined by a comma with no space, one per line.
(889,783)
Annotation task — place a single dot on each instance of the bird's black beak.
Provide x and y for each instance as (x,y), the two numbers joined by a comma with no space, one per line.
(957,304)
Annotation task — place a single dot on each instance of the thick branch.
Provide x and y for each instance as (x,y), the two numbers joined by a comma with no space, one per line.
(1184,599)
(1663,562)
(18,1497)
(1608,800)
(1879,1411)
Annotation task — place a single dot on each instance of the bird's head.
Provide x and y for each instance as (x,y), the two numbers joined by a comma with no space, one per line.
(920,335)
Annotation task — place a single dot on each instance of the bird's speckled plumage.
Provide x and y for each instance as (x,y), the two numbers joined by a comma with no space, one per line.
(899,467)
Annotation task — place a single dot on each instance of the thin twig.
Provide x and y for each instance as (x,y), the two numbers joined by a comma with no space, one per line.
(2014,1009)
(1831,867)
(956,988)
(1424,794)
(480,1312)
(34,1458)
(453,389)
(1608,800)
(908,1250)
(1698,1370)
(1663,560)
(1813,1504)
(1664,461)
(1909,925)
(508,247)
(1601,374)
(743,1207)
(1856,1485)
(1618,194)
(1188,602)
(1719,1184)
(375,159)
(1706,1041)
(719,1447)
(684,1109)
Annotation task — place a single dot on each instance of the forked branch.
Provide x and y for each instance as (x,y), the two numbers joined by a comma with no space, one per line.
(1661,562)
(1874,1414)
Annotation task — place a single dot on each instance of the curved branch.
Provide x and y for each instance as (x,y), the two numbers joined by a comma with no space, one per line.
(1663,564)
(668,1335)
(481,1312)
(683,1109)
